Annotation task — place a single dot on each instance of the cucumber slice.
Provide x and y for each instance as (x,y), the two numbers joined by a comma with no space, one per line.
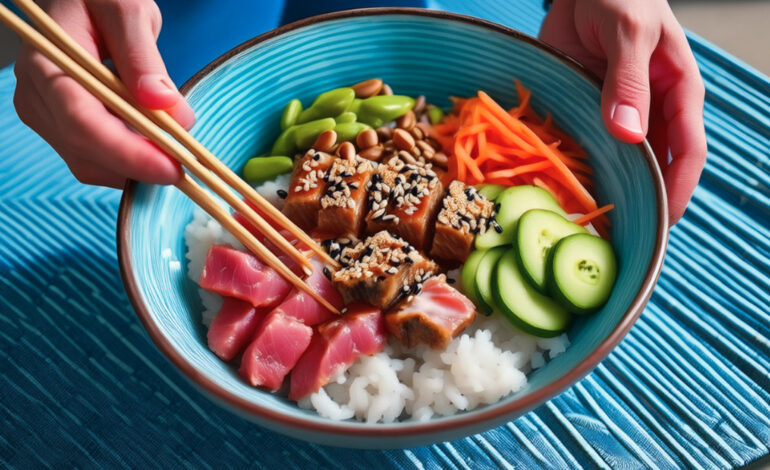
(490,191)
(524,306)
(483,281)
(468,275)
(582,272)
(515,201)
(537,231)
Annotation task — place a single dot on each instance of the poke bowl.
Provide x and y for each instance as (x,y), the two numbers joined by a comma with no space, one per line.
(443,382)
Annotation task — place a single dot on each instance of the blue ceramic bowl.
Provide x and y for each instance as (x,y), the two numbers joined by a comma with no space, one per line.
(238,100)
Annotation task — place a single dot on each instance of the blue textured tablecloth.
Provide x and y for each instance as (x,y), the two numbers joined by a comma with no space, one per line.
(81,385)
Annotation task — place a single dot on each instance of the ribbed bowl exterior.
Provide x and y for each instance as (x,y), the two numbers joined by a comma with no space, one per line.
(238,103)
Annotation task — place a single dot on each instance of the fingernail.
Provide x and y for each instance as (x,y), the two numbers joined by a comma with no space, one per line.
(183,114)
(628,118)
(156,84)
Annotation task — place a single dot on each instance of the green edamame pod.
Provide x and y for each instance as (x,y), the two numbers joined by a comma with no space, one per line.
(260,169)
(290,114)
(355,106)
(285,143)
(385,108)
(348,131)
(345,117)
(435,114)
(328,104)
(306,134)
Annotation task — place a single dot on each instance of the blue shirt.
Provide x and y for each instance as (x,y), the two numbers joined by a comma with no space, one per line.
(195,32)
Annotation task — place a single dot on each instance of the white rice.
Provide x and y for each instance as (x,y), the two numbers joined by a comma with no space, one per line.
(487,362)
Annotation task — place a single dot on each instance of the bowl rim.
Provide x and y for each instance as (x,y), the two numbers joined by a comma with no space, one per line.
(473,418)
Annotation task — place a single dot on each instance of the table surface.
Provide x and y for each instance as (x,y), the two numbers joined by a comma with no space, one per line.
(82,385)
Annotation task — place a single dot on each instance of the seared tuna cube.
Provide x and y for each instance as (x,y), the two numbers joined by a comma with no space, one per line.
(404,199)
(380,270)
(464,214)
(343,205)
(434,316)
(306,189)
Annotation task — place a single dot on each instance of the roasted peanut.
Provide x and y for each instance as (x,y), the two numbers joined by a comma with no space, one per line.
(386,89)
(367,139)
(403,139)
(440,159)
(385,133)
(419,104)
(407,121)
(347,151)
(368,88)
(372,153)
(325,141)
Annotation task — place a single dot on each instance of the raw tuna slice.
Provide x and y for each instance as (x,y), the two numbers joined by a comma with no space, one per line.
(233,327)
(278,344)
(335,346)
(304,308)
(433,317)
(235,273)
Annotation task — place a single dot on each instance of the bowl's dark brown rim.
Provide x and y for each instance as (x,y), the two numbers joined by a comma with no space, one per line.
(462,419)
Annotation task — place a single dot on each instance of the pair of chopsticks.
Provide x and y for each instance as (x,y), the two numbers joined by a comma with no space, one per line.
(53,42)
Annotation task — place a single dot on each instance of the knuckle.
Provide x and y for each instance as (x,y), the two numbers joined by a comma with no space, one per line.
(19,102)
(628,81)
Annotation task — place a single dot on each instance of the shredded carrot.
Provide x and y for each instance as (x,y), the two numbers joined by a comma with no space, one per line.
(487,144)
(519,170)
(584,220)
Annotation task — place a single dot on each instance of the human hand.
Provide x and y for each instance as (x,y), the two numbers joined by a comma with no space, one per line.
(96,145)
(652,86)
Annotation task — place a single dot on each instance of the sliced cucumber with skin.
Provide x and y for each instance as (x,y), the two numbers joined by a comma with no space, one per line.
(490,191)
(483,281)
(515,201)
(537,231)
(582,272)
(522,304)
(468,275)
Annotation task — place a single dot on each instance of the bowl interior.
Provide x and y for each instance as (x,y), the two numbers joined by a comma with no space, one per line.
(238,106)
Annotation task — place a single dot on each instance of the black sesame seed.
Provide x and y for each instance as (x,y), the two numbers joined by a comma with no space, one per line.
(497,227)
(282,194)
(450,281)
(327,273)
(317,157)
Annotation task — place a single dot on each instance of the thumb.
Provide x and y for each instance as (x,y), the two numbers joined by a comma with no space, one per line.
(626,92)
(130,29)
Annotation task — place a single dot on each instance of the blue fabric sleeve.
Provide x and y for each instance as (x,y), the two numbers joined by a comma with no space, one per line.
(195,32)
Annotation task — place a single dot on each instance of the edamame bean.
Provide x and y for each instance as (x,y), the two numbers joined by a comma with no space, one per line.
(328,104)
(385,108)
(355,106)
(345,117)
(306,134)
(261,169)
(285,143)
(347,132)
(290,114)
(435,114)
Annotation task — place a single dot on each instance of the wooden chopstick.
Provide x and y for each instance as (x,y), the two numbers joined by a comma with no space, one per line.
(195,192)
(55,33)
(143,124)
